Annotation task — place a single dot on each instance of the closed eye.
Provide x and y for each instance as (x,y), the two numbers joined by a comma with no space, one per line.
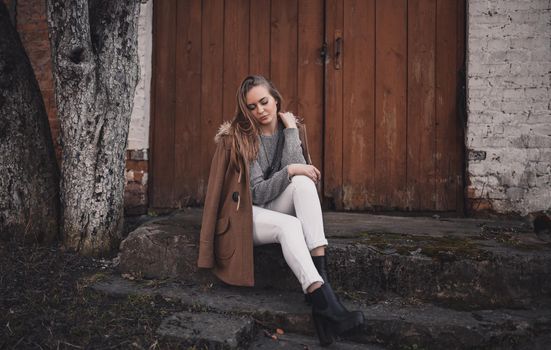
(264,101)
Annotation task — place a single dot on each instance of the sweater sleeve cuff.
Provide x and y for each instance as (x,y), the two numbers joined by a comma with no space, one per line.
(289,176)
(291,133)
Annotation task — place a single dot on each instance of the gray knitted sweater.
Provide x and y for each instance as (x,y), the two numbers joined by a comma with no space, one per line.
(266,190)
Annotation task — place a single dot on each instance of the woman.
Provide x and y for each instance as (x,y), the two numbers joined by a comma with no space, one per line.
(262,190)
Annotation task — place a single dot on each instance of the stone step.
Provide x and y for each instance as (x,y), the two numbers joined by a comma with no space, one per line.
(392,324)
(302,342)
(460,263)
(204,329)
(211,330)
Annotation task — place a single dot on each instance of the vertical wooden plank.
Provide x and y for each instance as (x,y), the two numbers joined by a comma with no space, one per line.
(259,59)
(461,34)
(310,74)
(391,83)
(284,50)
(359,104)
(446,114)
(333,109)
(420,99)
(236,51)
(162,160)
(212,63)
(461,107)
(187,123)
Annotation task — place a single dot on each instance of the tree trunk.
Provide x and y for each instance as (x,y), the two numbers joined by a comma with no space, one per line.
(29,176)
(94,51)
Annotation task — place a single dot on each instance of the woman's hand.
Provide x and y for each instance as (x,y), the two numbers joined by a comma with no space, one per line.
(288,119)
(304,169)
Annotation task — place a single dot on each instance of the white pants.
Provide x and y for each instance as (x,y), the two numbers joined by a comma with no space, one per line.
(276,222)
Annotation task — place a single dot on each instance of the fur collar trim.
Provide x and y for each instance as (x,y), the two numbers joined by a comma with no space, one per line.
(224,130)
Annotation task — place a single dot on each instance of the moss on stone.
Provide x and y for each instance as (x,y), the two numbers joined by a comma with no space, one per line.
(445,248)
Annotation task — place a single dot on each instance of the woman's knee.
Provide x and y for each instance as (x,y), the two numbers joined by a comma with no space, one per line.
(303,182)
(290,227)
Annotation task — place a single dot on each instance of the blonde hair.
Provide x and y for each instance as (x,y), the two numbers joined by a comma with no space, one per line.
(245,127)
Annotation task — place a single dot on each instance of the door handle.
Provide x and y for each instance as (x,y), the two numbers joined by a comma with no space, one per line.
(338,49)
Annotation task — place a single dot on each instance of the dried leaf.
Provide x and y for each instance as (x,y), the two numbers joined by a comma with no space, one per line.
(128,276)
(280,331)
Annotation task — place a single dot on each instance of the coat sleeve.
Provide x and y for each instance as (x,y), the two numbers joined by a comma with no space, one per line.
(215,185)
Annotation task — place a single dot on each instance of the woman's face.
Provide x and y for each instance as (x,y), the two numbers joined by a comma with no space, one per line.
(262,105)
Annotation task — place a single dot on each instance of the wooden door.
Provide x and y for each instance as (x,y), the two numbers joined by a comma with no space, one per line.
(393,131)
(381,105)
(202,51)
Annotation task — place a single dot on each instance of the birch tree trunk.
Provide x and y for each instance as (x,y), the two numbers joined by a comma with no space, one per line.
(94,52)
(29,175)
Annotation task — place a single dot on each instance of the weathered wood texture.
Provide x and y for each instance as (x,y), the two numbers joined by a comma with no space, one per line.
(382,117)
(94,51)
(420,101)
(393,137)
(333,129)
(202,51)
(29,175)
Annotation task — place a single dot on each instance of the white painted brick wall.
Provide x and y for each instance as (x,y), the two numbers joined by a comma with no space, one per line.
(509,104)
(138,135)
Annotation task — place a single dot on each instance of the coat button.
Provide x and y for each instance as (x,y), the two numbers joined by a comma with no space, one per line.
(235,196)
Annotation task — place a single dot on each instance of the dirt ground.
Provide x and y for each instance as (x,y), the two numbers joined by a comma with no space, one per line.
(45,304)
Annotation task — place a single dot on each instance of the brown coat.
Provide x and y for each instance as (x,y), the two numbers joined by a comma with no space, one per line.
(226,240)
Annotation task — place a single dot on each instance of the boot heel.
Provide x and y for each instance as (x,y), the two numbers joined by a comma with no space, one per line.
(323,330)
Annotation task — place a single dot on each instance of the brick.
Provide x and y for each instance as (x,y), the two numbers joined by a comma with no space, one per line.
(481,204)
(529,43)
(531,141)
(517,30)
(485,18)
(541,55)
(135,195)
(510,55)
(137,154)
(515,193)
(513,5)
(493,141)
(538,93)
(139,176)
(137,165)
(489,69)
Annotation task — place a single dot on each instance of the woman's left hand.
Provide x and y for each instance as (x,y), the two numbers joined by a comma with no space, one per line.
(288,119)
(304,169)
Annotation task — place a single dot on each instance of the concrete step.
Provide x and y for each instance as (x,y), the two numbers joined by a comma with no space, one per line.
(392,324)
(461,263)
(211,330)
(302,342)
(204,329)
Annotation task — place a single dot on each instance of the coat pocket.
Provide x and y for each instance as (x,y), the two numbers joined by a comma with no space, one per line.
(224,246)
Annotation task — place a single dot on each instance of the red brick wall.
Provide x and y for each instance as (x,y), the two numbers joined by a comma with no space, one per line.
(33,30)
(135,194)
(32,25)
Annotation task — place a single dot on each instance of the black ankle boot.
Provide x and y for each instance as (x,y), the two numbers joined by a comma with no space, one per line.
(320,262)
(330,316)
